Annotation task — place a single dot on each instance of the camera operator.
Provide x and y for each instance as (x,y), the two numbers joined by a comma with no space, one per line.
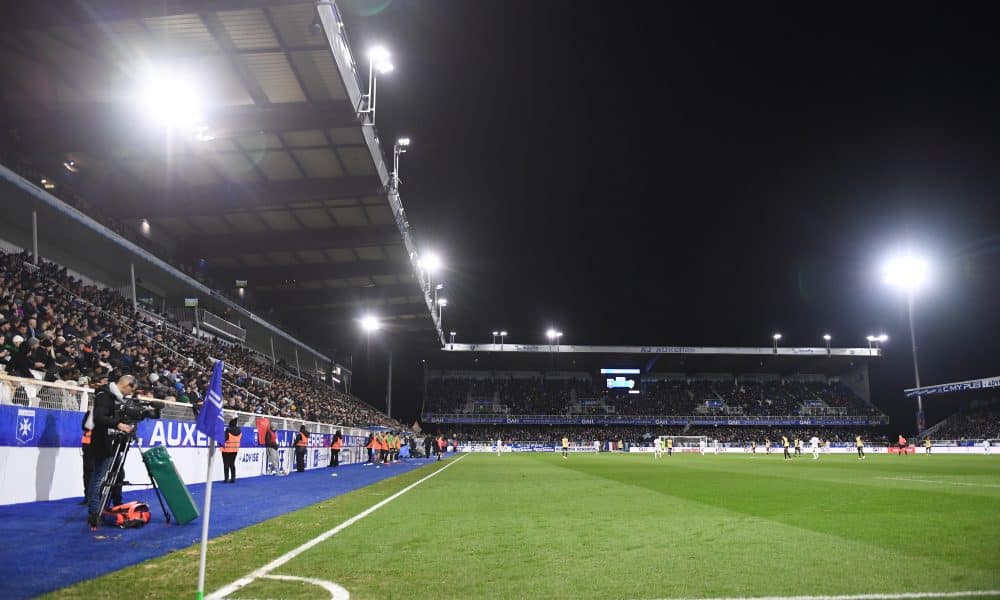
(106,424)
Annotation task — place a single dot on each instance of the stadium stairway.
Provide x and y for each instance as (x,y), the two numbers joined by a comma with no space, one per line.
(49,546)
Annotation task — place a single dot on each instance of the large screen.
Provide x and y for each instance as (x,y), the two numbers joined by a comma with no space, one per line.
(621,381)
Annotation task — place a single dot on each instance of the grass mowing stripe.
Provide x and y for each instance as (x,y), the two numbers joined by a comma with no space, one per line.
(986,485)
(274,564)
(902,596)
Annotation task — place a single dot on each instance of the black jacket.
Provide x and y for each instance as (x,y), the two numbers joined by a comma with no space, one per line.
(104,419)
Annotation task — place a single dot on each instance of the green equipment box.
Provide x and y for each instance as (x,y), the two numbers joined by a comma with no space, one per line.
(175,493)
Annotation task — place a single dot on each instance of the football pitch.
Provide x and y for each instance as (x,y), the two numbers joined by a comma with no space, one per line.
(617,526)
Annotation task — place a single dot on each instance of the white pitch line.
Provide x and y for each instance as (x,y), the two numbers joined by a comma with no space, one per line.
(336,592)
(989,485)
(902,596)
(284,558)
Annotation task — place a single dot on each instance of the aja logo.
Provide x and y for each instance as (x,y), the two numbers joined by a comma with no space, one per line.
(25,426)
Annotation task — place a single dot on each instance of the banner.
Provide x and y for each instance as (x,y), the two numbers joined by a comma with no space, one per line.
(959,386)
(51,428)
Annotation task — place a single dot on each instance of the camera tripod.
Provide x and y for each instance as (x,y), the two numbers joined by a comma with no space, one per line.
(122,444)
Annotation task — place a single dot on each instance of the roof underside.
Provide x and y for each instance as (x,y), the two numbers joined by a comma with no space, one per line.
(650,363)
(286,194)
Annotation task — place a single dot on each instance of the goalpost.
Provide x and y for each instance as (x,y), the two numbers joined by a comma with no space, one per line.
(685,441)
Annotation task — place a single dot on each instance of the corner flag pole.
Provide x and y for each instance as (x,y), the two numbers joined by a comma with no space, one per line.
(204,521)
(210,423)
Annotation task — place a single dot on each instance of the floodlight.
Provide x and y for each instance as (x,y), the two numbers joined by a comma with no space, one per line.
(70,165)
(496,333)
(871,338)
(403,142)
(378,54)
(503,334)
(776,336)
(145,226)
(442,302)
(453,334)
(439,286)
(384,67)
(431,263)
(369,323)
(908,272)
(827,337)
(170,100)
(882,338)
(551,333)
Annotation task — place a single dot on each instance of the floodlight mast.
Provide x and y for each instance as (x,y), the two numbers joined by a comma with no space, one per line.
(369,323)
(398,148)
(442,302)
(909,272)
(378,62)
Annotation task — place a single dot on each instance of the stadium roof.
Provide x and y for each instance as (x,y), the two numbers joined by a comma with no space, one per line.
(283,186)
(654,359)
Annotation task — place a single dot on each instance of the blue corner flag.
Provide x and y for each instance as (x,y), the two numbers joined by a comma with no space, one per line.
(210,420)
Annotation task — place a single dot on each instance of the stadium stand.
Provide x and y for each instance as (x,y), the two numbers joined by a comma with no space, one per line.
(733,436)
(57,328)
(981,420)
(576,394)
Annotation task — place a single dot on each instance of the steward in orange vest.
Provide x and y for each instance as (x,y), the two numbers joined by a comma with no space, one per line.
(380,446)
(229,451)
(301,444)
(335,445)
(370,445)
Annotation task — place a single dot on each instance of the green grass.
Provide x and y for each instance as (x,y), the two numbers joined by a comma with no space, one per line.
(625,526)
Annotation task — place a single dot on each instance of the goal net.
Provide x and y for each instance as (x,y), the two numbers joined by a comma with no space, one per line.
(685,441)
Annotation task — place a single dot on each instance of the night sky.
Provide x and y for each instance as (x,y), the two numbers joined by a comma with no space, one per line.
(700,174)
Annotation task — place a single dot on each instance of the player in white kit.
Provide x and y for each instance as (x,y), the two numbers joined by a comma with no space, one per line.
(658,448)
(499,446)
(715,446)
(701,446)
(814,447)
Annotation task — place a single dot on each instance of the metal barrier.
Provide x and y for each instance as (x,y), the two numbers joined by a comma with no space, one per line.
(221,326)
(39,394)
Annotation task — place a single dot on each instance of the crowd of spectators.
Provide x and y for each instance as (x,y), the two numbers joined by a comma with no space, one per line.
(976,424)
(539,395)
(57,328)
(643,435)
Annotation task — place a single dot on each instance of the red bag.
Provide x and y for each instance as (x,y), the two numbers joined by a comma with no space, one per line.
(130,514)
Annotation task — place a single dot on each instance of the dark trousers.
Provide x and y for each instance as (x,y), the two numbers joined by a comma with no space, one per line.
(101,468)
(334,457)
(861,451)
(371,455)
(229,466)
(787,455)
(300,458)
